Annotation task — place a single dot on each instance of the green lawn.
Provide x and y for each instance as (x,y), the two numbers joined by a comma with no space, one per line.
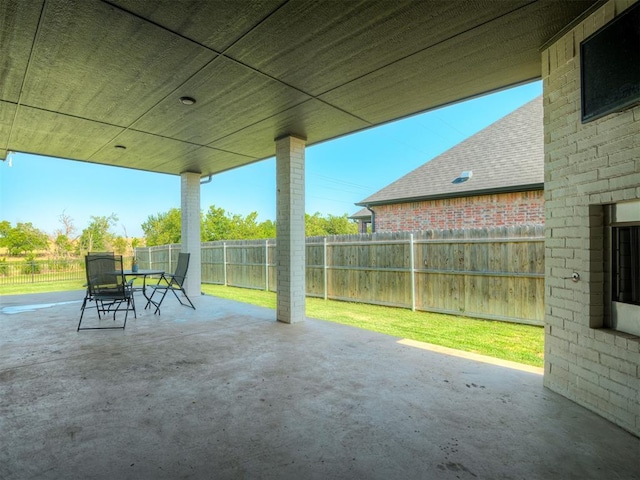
(507,341)
(42,287)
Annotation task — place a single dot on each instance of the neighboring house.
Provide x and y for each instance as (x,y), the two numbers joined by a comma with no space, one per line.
(494,178)
(363,217)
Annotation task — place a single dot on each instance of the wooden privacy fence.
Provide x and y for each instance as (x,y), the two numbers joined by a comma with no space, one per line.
(495,273)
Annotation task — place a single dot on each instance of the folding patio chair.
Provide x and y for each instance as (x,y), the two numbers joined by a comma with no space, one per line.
(108,288)
(171,282)
(87,297)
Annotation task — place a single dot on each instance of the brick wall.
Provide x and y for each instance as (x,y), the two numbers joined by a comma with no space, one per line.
(499,210)
(190,210)
(586,166)
(290,249)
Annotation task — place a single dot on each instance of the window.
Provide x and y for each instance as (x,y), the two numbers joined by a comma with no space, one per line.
(624,266)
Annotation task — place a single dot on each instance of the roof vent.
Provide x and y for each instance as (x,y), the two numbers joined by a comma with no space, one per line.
(464,176)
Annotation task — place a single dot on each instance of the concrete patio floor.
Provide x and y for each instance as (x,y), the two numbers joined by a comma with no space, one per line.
(226,392)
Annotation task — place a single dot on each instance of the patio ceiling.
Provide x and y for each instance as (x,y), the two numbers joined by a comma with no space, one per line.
(80,79)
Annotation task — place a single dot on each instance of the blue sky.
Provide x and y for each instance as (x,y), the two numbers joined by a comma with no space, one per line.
(339,173)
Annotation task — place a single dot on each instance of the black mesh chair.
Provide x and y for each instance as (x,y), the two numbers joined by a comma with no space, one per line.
(107,287)
(87,297)
(171,283)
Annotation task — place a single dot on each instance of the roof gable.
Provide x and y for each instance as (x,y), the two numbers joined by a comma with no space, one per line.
(362,214)
(508,155)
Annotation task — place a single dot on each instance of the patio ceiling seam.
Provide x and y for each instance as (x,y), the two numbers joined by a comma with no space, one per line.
(428,47)
(24,76)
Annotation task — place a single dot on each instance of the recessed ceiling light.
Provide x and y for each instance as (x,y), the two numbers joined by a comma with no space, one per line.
(187,100)
(120,147)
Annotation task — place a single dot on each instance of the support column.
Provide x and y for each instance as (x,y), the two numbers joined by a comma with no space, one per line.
(190,212)
(290,238)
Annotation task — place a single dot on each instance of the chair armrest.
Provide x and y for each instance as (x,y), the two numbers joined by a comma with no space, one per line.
(167,277)
(129,285)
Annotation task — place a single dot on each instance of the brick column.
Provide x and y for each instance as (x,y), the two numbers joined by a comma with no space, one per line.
(190,210)
(290,247)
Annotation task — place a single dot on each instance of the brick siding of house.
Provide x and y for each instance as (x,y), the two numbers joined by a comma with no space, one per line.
(504,209)
(587,166)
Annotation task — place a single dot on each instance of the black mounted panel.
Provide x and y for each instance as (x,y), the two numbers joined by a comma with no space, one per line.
(610,66)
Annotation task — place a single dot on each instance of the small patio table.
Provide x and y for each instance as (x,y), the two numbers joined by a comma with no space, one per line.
(144,274)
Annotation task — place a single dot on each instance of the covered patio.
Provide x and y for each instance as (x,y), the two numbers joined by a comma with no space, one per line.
(196,88)
(226,391)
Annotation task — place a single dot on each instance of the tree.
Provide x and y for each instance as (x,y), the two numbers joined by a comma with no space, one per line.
(63,246)
(5,227)
(248,228)
(243,228)
(23,238)
(340,225)
(267,229)
(164,228)
(314,225)
(220,225)
(121,246)
(318,226)
(216,225)
(68,228)
(98,235)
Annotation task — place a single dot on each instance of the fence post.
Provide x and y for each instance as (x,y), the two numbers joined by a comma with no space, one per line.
(170,269)
(266,265)
(224,262)
(413,274)
(324,261)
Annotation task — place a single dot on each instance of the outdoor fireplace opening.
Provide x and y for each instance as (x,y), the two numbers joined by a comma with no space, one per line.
(624,266)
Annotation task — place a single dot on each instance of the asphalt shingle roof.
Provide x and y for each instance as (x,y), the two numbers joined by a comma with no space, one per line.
(362,214)
(508,155)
